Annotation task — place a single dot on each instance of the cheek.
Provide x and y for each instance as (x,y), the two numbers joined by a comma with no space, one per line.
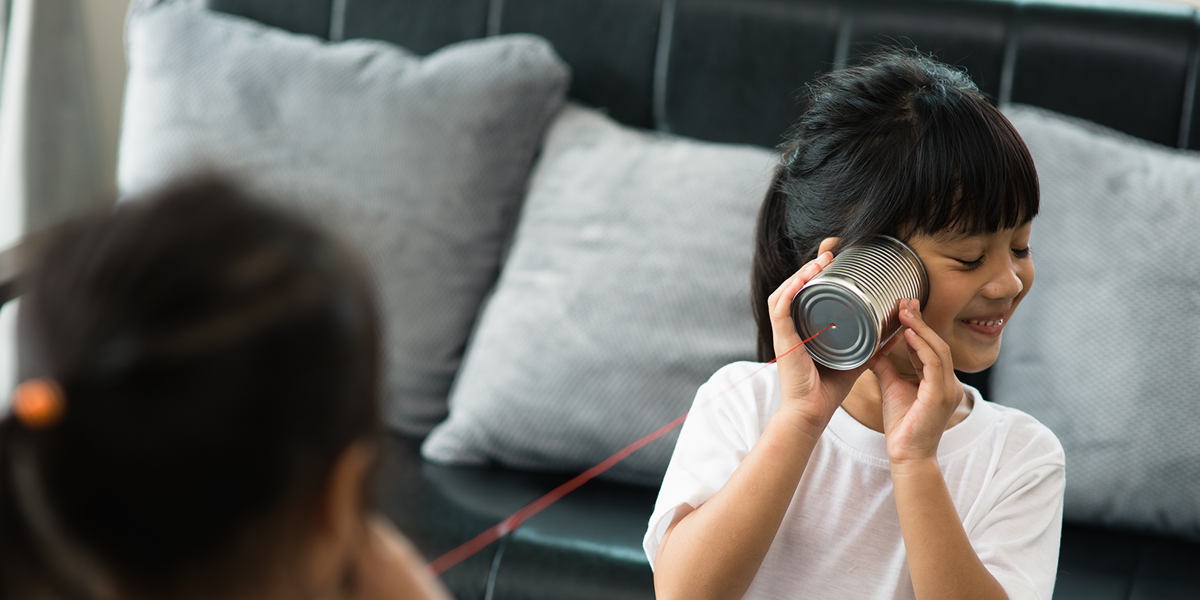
(943,307)
(942,319)
(940,316)
(1025,274)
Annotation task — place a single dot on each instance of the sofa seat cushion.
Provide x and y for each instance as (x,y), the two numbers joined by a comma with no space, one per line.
(1100,563)
(587,545)
(421,163)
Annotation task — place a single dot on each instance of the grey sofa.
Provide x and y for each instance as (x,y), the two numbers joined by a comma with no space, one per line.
(727,71)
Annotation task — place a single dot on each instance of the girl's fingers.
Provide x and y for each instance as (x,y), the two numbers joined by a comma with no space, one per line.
(780,302)
(798,375)
(939,351)
(782,297)
(930,354)
(882,366)
(922,356)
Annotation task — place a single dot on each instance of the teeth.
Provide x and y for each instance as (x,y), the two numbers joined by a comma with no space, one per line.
(986,323)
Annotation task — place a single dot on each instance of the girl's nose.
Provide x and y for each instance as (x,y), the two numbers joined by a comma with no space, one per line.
(1005,281)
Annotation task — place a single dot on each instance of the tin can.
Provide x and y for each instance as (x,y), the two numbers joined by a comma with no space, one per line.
(859,293)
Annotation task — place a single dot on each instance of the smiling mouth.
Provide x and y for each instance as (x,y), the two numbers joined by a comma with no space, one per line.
(987,327)
(985,322)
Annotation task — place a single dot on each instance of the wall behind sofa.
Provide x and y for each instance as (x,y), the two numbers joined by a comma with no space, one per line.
(105,22)
(103,28)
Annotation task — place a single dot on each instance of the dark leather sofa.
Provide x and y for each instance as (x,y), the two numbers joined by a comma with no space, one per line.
(729,71)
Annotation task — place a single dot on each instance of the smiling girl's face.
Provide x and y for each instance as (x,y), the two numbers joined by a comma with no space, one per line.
(975,282)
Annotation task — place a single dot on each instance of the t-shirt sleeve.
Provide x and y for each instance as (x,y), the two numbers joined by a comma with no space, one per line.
(724,423)
(1018,538)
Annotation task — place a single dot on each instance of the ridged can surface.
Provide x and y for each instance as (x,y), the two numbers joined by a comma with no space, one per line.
(859,292)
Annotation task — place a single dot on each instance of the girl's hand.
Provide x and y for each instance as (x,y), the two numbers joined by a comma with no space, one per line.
(810,392)
(915,413)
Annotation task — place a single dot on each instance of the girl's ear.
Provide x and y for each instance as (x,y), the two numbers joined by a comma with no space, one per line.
(827,245)
(340,521)
(344,502)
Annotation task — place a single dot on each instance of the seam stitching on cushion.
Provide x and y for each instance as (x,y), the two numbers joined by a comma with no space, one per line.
(1136,570)
(1009,66)
(489,592)
(495,9)
(662,60)
(841,48)
(1189,86)
(337,20)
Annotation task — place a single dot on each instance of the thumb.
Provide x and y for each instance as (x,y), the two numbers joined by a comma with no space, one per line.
(882,366)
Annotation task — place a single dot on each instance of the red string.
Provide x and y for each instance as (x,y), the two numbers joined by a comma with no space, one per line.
(481,541)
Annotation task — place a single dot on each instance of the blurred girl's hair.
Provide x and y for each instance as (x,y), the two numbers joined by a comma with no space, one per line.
(216,356)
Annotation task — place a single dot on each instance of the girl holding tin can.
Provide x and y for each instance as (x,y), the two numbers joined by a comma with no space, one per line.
(891,479)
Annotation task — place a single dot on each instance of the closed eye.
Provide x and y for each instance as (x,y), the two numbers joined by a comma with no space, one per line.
(971,264)
(1021,252)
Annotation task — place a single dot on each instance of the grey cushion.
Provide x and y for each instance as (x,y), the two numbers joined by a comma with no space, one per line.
(1105,349)
(420,162)
(626,287)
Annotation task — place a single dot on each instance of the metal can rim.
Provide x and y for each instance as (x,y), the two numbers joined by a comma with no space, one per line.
(839,281)
(920,266)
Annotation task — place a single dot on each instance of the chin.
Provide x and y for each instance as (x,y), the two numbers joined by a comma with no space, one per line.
(975,368)
(976,361)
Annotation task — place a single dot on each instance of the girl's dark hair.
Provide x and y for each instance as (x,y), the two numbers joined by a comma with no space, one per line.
(216,357)
(898,145)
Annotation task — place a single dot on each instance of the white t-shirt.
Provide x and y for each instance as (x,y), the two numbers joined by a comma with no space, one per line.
(840,537)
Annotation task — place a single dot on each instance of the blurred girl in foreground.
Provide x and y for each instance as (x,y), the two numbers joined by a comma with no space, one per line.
(202,413)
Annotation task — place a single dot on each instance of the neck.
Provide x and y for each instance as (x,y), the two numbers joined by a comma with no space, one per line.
(865,402)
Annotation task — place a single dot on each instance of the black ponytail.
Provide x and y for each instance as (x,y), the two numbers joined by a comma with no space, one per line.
(775,259)
(21,574)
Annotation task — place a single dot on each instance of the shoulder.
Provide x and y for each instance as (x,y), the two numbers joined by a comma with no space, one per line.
(1023,442)
(745,375)
(734,404)
(743,384)
(1015,519)
(744,371)
(1023,429)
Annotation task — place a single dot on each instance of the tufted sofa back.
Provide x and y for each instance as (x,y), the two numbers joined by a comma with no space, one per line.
(730,70)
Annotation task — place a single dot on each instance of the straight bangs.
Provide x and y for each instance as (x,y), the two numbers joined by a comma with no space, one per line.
(954,166)
(970,171)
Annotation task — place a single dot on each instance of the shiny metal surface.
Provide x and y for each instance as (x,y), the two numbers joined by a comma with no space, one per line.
(859,293)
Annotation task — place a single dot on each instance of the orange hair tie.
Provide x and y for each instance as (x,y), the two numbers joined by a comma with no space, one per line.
(39,403)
